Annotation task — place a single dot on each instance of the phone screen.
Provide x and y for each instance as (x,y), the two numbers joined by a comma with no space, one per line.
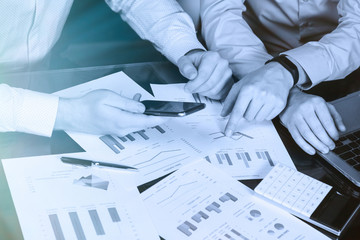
(169,108)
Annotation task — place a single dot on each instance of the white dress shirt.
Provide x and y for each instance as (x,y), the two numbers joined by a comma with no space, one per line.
(322,36)
(29,29)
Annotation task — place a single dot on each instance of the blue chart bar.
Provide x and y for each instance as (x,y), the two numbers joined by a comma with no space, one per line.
(228,159)
(131,138)
(186,227)
(207,159)
(245,160)
(122,139)
(96,222)
(239,234)
(55,224)
(142,134)
(241,156)
(229,237)
(160,129)
(114,214)
(197,217)
(214,207)
(227,197)
(218,158)
(265,156)
(269,158)
(248,156)
(112,143)
(75,221)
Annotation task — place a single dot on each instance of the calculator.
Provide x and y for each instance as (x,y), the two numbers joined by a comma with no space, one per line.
(308,198)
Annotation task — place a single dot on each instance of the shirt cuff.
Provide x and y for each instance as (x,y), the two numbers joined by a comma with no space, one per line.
(304,82)
(313,61)
(36,112)
(179,48)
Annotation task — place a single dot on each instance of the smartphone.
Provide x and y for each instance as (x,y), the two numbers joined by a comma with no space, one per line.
(171,109)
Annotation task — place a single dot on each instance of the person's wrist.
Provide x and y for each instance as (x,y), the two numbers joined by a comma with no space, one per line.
(278,70)
(196,50)
(288,65)
(63,112)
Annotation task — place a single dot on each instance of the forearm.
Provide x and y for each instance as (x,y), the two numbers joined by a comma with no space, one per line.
(226,32)
(335,55)
(27,111)
(162,22)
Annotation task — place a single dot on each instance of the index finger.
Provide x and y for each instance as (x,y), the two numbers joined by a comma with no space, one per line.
(241,104)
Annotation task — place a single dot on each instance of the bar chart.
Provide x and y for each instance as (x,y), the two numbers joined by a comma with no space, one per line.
(214,206)
(244,164)
(117,144)
(69,202)
(154,151)
(87,224)
(223,209)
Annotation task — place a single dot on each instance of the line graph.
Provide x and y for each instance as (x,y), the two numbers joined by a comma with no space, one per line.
(160,153)
(175,191)
(236,136)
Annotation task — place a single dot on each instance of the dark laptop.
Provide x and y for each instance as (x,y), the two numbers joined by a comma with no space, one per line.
(346,155)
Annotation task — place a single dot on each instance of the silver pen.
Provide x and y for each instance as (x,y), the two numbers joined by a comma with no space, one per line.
(90,163)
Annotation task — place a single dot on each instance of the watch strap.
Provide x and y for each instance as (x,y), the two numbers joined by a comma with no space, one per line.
(288,65)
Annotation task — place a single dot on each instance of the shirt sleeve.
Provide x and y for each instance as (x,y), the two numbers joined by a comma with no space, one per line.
(225,30)
(162,22)
(336,54)
(27,111)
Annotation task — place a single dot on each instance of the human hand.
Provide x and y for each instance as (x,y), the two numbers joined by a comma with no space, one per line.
(312,122)
(103,112)
(260,95)
(209,74)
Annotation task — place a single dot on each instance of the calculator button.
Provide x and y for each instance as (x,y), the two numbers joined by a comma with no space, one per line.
(294,190)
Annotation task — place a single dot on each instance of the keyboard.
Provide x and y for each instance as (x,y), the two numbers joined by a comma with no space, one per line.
(348,149)
(293,190)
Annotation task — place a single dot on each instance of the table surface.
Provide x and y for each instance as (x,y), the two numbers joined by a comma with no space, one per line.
(21,145)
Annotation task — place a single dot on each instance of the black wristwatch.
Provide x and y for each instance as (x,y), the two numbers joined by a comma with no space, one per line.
(286,63)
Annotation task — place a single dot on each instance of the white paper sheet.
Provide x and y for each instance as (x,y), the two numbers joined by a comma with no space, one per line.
(250,154)
(200,201)
(154,151)
(59,201)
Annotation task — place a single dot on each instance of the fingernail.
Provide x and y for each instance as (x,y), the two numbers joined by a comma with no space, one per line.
(140,108)
(228,133)
(332,146)
(311,152)
(325,150)
(192,75)
(342,128)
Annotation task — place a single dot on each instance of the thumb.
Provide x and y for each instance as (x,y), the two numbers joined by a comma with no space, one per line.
(187,67)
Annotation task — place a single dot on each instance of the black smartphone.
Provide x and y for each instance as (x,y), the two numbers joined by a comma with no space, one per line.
(171,109)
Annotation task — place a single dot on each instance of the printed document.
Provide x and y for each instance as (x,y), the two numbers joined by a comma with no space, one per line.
(200,201)
(250,153)
(54,200)
(155,151)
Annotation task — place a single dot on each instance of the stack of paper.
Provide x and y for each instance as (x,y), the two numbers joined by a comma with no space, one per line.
(58,201)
